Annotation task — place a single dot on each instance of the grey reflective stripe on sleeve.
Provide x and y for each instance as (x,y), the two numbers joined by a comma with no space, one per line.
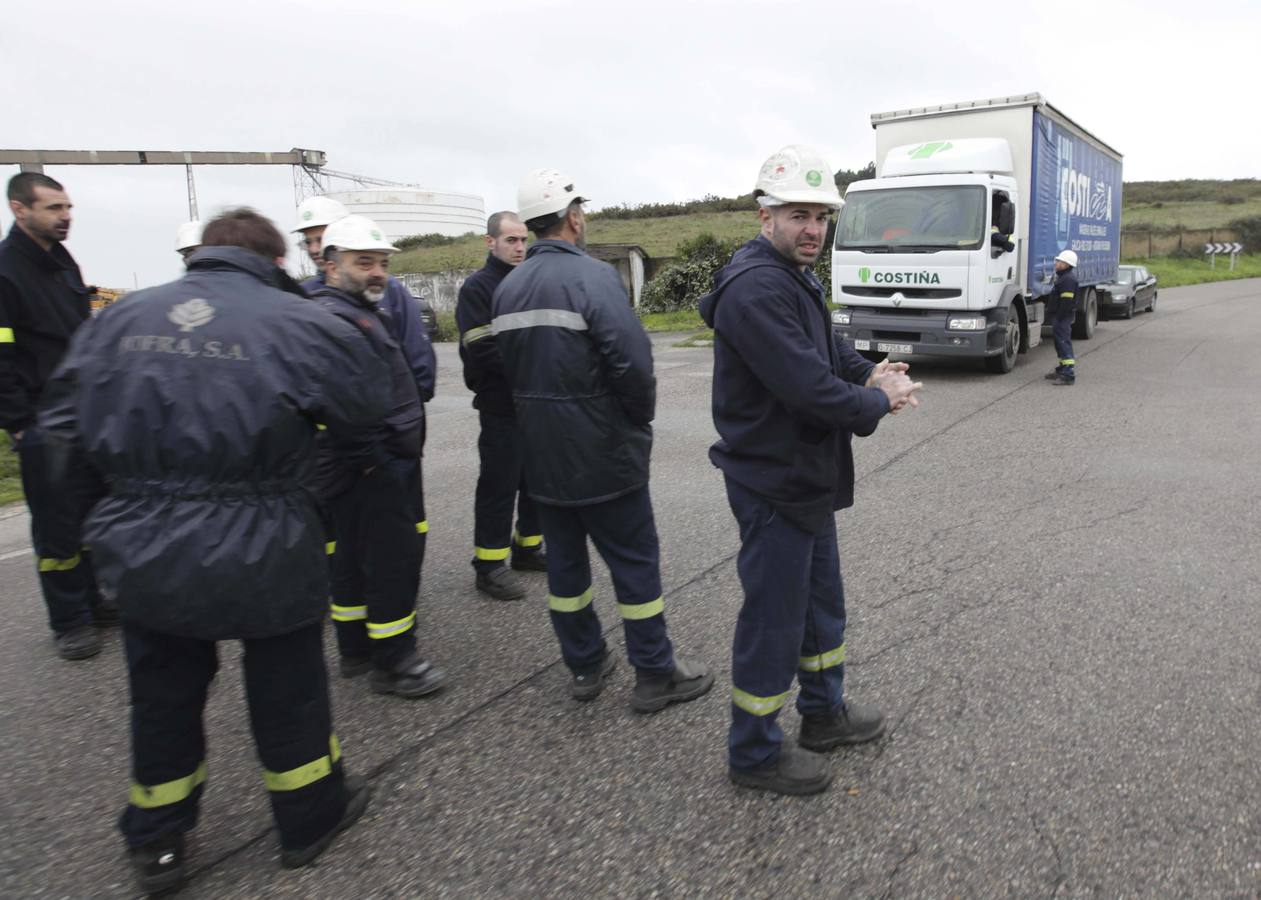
(531,318)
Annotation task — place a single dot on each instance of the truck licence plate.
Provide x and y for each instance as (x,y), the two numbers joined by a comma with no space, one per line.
(892,348)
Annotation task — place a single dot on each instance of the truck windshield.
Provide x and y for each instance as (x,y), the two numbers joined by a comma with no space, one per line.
(908,219)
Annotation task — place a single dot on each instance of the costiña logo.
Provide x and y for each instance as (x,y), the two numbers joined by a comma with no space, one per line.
(865,275)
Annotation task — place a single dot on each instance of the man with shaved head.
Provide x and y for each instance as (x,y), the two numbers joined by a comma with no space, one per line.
(501,481)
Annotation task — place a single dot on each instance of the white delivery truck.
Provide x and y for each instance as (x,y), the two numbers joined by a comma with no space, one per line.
(950,249)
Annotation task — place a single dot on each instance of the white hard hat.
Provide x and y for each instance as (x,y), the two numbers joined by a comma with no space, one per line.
(356,233)
(797,174)
(316,211)
(545,191)
(188,236)
(1067,256)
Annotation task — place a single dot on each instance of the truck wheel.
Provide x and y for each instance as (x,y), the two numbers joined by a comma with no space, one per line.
(1006,361)
(1087,317)
(872,355)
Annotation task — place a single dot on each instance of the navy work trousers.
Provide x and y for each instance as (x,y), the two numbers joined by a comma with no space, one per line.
(286,687)
(59,501)
(1062,332)
(500,486)
(792,624)
(378,531)
(625,534)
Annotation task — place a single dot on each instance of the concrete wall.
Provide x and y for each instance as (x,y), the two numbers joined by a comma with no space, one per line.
(441,290)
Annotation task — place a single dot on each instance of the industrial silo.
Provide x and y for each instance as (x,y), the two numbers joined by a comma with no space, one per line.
(402,212)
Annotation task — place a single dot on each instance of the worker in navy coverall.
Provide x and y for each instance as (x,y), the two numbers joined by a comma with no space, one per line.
(1062,310)
(786,398)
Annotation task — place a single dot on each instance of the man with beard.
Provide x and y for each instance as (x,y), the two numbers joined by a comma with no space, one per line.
(43,301)
(787,397)
(580,369)
(500,480)
(376,567)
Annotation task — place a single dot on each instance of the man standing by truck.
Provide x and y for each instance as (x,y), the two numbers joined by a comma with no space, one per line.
(787,397)
(1062,308)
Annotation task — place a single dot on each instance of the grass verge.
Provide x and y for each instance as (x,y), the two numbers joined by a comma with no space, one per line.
(10,478)
(1176,271)
(680,320)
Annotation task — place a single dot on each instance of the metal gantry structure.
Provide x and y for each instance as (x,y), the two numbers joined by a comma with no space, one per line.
(307,165)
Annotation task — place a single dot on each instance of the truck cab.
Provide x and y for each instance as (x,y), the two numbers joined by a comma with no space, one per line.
(927,257)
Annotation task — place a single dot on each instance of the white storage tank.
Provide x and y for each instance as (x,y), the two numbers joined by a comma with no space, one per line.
(402,212)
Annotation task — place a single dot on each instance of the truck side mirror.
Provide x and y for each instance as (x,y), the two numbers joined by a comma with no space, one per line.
(1007,218)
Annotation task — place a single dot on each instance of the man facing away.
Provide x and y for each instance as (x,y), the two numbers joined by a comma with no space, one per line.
(199,402)
(43,301)
(501,477)
(787,397)
(580,369)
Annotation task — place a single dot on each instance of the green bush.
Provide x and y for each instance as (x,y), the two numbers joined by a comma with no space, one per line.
(681,285)
(447,329)
(1249,231)
(429,240)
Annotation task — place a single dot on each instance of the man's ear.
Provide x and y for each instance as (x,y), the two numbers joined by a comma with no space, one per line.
(14,206)
(490,242)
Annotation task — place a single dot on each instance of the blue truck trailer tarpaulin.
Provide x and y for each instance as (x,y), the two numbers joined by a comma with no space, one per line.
(1075,205)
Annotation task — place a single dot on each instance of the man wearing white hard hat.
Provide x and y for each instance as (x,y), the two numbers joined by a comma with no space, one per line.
(580,369)
(315,214)
(787,398)
(188,239)
(1062,309)
(375,571)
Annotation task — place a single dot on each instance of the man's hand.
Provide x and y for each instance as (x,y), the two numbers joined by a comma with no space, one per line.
(898,387)
(885,365)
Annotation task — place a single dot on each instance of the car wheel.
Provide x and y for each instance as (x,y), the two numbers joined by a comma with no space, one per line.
(1151,306)
(1129,309)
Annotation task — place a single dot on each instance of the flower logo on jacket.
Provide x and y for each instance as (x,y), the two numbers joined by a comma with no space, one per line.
(191,314)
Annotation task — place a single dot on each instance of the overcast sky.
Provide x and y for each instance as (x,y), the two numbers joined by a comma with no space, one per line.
(638,102)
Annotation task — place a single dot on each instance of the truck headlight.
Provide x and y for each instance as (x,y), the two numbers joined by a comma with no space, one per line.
(840,317)
(966,323)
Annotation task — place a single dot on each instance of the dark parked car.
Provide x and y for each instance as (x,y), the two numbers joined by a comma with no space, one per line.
(427,315)
(1135,288)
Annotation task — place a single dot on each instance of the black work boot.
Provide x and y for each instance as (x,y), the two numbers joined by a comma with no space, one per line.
(1051,376)
(412,677)
(1063,380)
(795,772)
(589,686)
(854,724)
(105,614)
(500,584)
(80,642)
(354,666)
(529,560)
(159,865)
(654,693)
(358,792)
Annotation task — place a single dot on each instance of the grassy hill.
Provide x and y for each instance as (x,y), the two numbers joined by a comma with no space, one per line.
(1172,205)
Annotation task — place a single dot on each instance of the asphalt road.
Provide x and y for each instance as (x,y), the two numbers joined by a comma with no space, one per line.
(1052,594)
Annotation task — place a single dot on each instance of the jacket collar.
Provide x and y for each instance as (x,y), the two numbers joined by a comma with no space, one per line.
(54,260)
(218,258)
(327,290)
(497,265)
(550,245)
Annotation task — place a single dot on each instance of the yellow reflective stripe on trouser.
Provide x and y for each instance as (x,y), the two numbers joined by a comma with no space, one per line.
(422,527)
(636,611)
(527,540)
(58,565)
(476,334)
(823,660)
(149,796)
(758,706)
(381,630)
(330,547)
(569,604)
(1067,295)
(489,555)
(1068,362)
(348,613)
(304,775)
(6,336)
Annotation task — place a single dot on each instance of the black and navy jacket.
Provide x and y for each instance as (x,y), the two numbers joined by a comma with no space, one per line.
(199,402)
(408,328)
(580,368)
(483,366)
(43,301)
(787,395)
(400,433)
(1061,303)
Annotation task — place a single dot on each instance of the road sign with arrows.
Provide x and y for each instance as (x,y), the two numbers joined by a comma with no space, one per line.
(1213,250)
